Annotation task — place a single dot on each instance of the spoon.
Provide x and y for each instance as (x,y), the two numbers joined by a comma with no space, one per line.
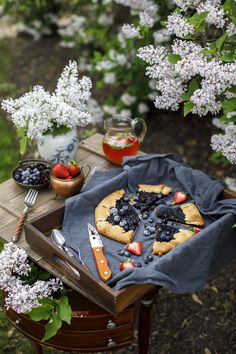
(59,240)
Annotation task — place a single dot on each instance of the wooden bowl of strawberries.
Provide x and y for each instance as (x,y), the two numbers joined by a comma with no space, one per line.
(67,180)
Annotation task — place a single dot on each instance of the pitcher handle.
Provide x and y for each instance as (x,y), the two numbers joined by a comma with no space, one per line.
(141,121)
(89,169)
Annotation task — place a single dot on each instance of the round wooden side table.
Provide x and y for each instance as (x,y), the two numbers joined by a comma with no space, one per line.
(92,329)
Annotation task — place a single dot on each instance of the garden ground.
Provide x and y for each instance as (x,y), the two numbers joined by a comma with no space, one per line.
(180,324)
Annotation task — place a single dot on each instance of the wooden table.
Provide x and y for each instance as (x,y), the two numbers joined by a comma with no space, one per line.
(11,206)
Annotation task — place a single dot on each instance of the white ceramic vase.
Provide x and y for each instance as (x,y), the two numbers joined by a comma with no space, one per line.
(59,148)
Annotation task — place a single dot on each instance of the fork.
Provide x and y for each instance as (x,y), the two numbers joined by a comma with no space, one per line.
(29,201)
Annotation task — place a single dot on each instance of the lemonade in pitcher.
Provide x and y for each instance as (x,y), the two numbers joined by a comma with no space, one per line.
(121,139)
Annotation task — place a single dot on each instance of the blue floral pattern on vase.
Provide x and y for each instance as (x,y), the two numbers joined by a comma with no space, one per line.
(61,148)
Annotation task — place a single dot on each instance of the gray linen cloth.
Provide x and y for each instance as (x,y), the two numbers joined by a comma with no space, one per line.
(188,266)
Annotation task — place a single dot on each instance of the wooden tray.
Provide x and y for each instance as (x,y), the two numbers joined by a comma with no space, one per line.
(37,232)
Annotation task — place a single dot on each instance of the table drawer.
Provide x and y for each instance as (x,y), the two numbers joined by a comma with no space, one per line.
(69,338)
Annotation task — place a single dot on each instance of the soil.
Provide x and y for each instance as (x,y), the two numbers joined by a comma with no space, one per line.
(180,324)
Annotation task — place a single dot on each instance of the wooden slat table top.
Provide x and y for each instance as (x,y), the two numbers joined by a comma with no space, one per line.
(12,196)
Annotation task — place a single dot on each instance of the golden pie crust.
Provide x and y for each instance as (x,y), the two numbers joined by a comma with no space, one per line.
(160,188)
(102,212)
(192,214)
(160,248)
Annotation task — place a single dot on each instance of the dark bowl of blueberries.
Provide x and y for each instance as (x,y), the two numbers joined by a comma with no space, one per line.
(32,174)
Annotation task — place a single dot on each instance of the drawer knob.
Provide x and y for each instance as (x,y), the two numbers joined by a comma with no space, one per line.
(111,325)
(111,343)
(17,322)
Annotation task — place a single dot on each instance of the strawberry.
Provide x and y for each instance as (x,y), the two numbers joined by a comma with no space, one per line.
(135,248)
(73,168)
(127,264)
(59,170)
(69,177)
(197,229)
(180,197)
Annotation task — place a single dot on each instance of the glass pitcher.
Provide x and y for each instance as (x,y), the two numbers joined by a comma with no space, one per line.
(123,137)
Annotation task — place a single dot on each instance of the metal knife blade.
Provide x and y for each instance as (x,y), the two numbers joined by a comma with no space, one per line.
(104,271)
(180,226)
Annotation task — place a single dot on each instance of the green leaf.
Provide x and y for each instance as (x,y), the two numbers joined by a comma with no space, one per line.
(44,275)
(188,107)
(23,145)
(52,327)
(193,86)
(229,105)
(174,58)
(55,130)
(220,41)
(228,57)
(234,225)
(40,313)
(65,311)
(198,20)
(47,302)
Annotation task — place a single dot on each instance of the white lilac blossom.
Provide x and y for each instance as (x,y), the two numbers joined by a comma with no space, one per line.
(161,36)
(125,113)
(176,24)
(105,19)
(95,110)
(146,20)
(141,5)
(231,29)
(109,78)
(130,31)
(110,110)
(128,99)
(39,111)
(73,25)
(22,297)
(226,143)
(216,15)
(185,4)
(216,77)
(105,65)
(143,108)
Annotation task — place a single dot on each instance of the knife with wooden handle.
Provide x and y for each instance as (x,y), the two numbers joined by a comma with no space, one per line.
(104,271)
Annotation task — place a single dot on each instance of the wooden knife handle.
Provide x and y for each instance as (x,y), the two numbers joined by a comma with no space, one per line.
(19,227)
(102,266)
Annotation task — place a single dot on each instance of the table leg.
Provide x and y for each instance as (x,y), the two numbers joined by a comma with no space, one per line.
(144,321)
(38,348)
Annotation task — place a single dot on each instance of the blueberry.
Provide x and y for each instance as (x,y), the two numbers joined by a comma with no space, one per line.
(37,173)
(151,229)
(138,264)
(136,199)
(146,261)
(150,258)
(122,223)
(162,237)
(147,233)
(26,173)
(126,199)
(122,211)
(125,207)
(25,182)
(168,238)
(117,218)
(126,227)
(168,203)
(112,210)
(150,220)
(120,252)
(145,216)
(126,254)
(136,205)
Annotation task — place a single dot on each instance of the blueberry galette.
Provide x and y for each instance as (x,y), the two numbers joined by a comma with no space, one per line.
(167,238)
(149,196)
(187,214)
(116,218)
